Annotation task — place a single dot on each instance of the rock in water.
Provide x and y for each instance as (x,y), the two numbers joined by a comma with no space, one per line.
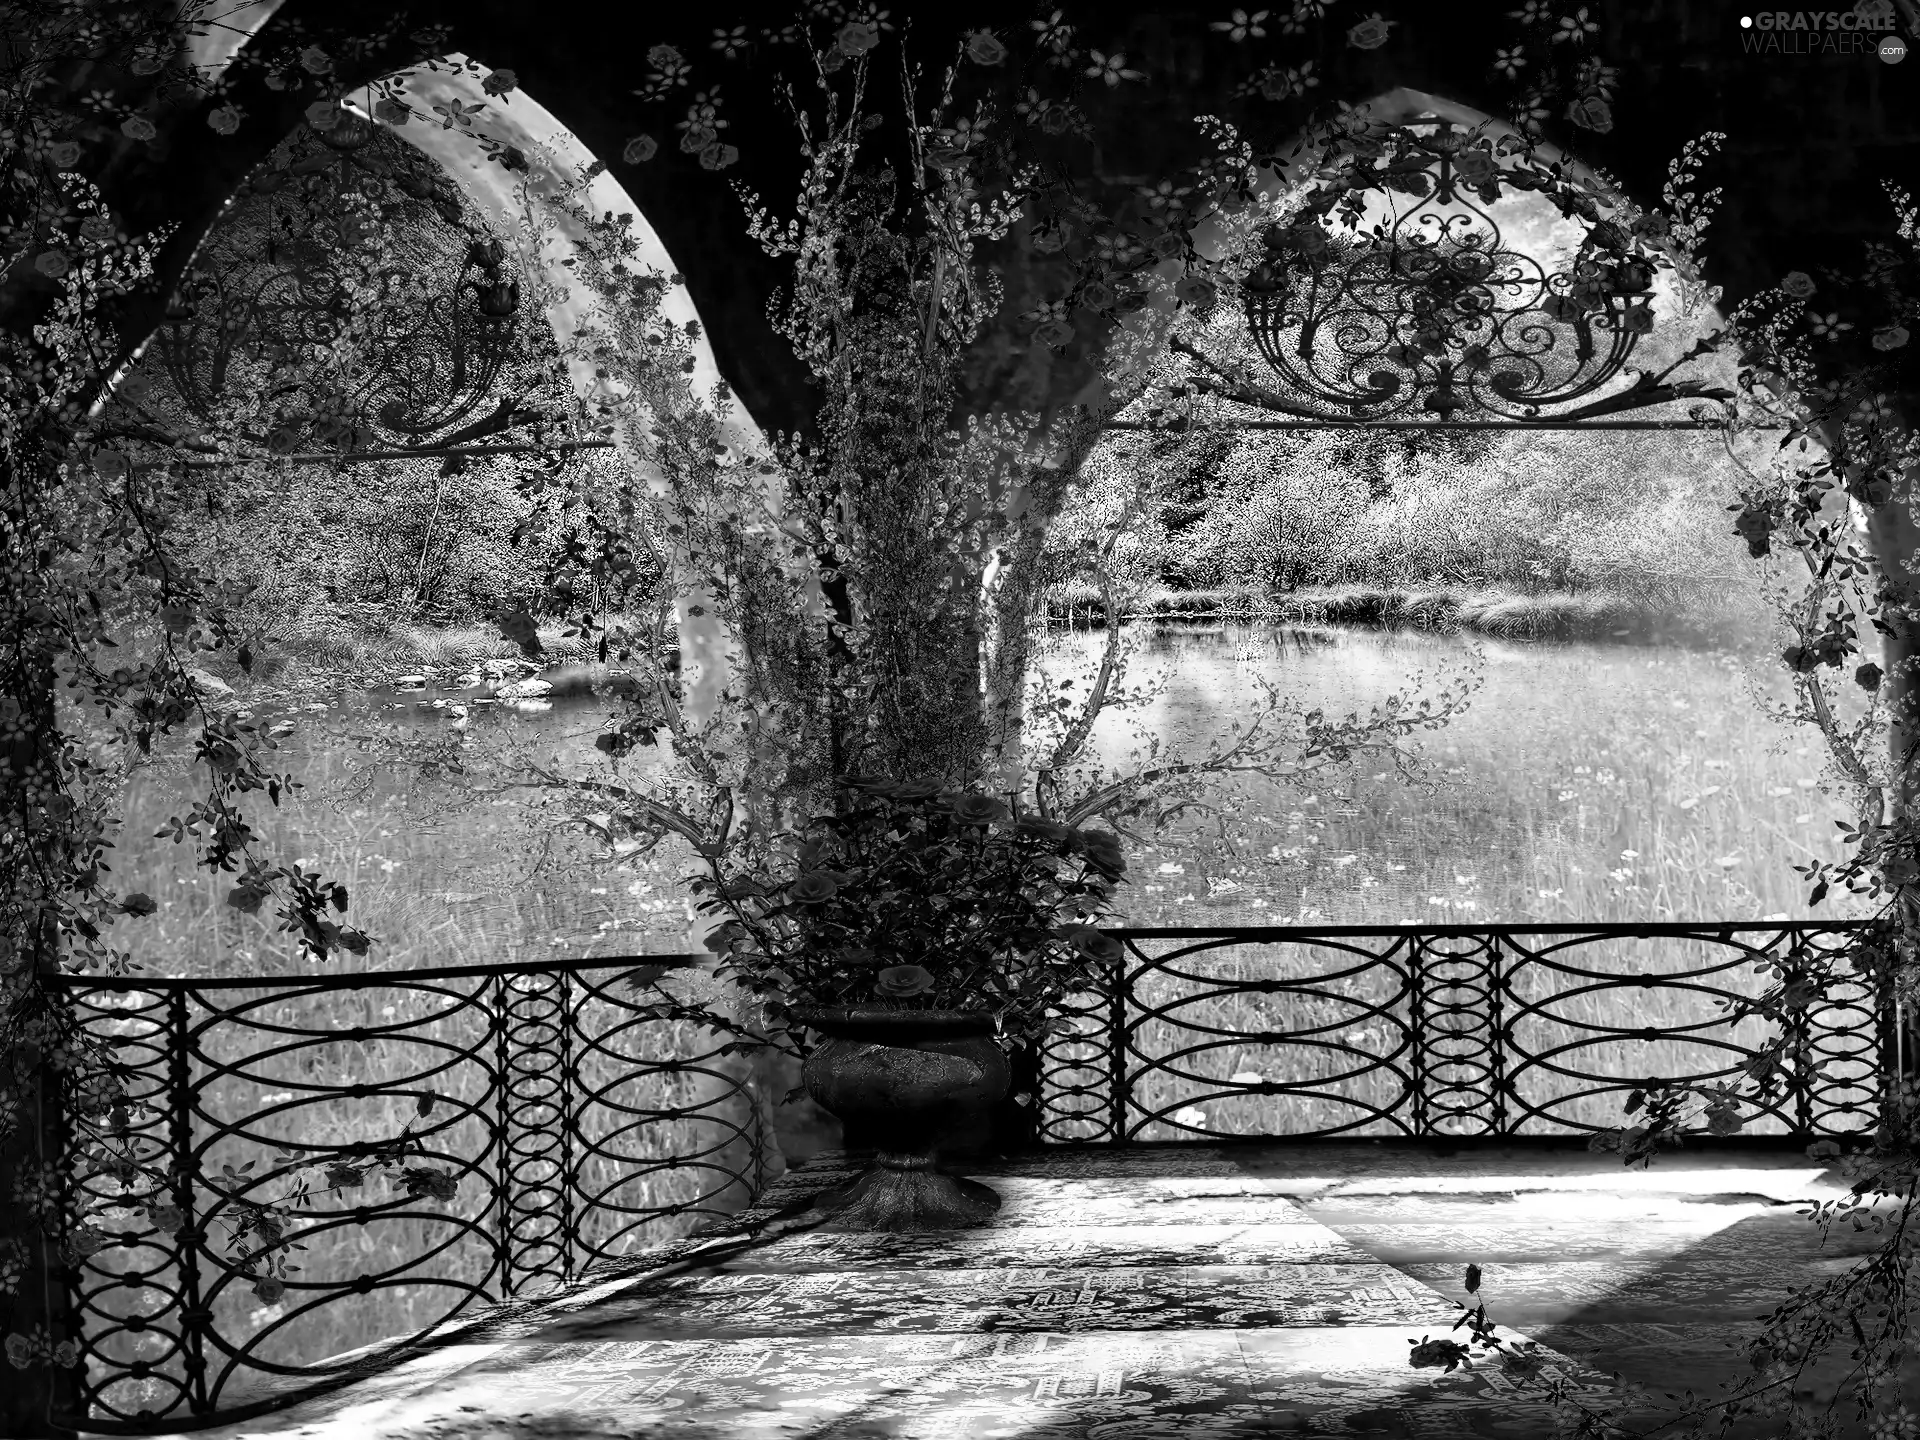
(525,690)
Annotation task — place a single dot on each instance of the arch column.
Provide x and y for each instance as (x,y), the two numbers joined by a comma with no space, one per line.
(740,1092)
(556,161)
(1894,537)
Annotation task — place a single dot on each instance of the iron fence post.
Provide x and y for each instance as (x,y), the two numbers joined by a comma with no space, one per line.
(1016,1127)
(1802,1033)
(1896,1055)
(1499,1085)
(196,1316)
(566,1113)
(501,1203)
(1417,1032)
(1118,1097)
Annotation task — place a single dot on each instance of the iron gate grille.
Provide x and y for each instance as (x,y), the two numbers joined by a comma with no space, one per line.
(1497,1030)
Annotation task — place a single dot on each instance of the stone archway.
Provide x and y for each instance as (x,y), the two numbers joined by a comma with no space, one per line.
(556,161)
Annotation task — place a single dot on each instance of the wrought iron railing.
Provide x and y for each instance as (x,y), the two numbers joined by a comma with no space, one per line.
(587,1115)
(582,1114)
(1444,1031)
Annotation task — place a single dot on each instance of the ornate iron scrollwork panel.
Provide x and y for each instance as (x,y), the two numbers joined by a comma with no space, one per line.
(1432,311)
(346,301)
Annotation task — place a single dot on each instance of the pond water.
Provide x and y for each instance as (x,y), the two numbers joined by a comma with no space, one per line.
(1587,781)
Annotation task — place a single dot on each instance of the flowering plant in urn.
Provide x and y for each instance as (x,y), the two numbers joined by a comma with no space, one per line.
(920,897)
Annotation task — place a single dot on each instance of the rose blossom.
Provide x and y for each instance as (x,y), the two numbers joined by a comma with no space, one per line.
(1370,33)
(500,82)
(1891,338)
(1092,943)
(1797,283)
(1474,166)
(65,154)
(1055,333)
(138,127)
(979,809)
(224,120)
(856,37)
(1592,113)
(640,149)
(897,982)
(1196,290)
(166,1218)
(813,887)
(1102,847)
(1050,830)
(984,49)
(51,263)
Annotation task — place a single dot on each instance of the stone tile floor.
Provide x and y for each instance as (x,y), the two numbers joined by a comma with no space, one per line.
(1189,1290)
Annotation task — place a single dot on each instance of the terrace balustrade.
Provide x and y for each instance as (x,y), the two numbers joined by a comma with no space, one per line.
(589,1113)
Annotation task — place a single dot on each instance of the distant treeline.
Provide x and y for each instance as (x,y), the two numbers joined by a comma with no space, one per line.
(1602,530)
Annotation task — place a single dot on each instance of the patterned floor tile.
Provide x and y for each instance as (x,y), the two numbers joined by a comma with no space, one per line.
(709,1305)
(976,1387)
(1044,1245)
(1131,1295)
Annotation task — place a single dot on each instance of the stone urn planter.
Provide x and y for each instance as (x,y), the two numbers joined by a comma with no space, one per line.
(912,1085)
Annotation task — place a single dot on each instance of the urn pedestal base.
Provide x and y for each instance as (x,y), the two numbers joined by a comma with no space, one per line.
(907,1192)
(914,1085)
